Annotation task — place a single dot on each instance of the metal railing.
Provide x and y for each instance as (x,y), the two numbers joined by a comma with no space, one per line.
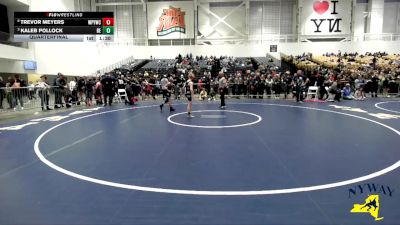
(114,66)
(377,37)
(29,98)
(23,98)
(272,38)
(250,39)
(126,42)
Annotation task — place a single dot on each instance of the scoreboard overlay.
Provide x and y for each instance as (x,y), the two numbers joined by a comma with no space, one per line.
(63,26)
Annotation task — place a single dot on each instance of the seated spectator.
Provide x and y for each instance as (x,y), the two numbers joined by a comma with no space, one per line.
(212,95)
(347,92)
(334,93)
(203,94)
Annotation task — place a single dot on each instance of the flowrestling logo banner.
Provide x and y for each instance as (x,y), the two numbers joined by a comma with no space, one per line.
(170,20)
(325,17)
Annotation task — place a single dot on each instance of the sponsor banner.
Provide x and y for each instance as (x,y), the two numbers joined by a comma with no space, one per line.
(325,17)
(170,20)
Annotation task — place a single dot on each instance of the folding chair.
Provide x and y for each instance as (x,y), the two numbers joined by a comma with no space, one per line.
(312,92)
(121,95)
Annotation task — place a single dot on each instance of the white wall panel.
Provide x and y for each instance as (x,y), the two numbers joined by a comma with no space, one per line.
(390,17)
(52,5)
(237,19)
(255,17)
(271,17)
(11,52)
(12,66)
(359,18)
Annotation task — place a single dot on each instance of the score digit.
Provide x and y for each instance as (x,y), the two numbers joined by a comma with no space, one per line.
(108,30)
(108,21)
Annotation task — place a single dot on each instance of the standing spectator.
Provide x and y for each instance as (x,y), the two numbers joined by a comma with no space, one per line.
(157,87)
(152,83)
(374,86)
(268,85)
(207,81)
(321,87)
(181,83)
(2,92)
(80,88)
(359,83)
(98,92)
(277,86)
(200,85)
(89,91)
(9,93)
(73,89)
(222,86)
(17,92)
(235,87)
(59,90)
(43,87)
(374,60)
(298,83)
(121,82)
(246,82)
(287,81)
(31,90)
(108,83)
(56,90)
(385,86)
(261,86)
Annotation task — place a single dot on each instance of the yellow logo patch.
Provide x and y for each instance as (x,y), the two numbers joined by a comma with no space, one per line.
(370,206)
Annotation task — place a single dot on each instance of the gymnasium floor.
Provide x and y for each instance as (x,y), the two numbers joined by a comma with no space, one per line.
(257,162)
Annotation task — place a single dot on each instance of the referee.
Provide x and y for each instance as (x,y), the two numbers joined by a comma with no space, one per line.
(222,86)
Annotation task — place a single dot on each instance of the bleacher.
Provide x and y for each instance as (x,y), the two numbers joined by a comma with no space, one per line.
(162,66)
(133,66)
(264,61)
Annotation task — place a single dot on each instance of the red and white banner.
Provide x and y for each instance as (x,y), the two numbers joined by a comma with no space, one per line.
(170,20)
(325,17)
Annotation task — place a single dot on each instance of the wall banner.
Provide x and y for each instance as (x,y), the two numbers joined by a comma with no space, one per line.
(325,17)
(170,20)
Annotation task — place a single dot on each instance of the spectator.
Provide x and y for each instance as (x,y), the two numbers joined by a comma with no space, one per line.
(203,94)
(31,90)
(81,88)
(73,88)
(59,90)
(9,93)
(347,92)
(2,92)
(374,86)
(17,92)
(298,83)
(321,83)
(334,92)
(98,92)
(108,83)
(359,84)
(89,91)
(43,87)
